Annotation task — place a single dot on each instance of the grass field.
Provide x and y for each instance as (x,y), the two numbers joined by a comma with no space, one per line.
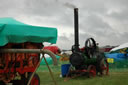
(115,77)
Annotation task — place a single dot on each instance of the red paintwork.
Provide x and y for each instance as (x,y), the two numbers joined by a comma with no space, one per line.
(54,49)
(20,70)
(34,81)
(31,61)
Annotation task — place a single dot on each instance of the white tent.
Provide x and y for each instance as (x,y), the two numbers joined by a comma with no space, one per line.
(125,45)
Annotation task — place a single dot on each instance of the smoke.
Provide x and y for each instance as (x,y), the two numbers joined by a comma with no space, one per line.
(70,5)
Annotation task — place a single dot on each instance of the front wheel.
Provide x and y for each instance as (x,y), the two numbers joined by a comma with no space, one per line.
(91,71)
(35,80)
(2,83)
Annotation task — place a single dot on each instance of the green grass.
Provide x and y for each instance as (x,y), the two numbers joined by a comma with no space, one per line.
(115,77)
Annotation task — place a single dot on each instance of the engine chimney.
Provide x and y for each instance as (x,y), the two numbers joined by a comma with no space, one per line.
(76,30)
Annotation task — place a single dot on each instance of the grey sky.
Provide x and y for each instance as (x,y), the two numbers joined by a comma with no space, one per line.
(104,20)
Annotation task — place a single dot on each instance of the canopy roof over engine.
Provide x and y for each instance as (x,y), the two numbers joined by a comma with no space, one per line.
(13,31)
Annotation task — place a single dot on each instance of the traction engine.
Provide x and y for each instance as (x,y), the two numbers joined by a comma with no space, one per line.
(89,60)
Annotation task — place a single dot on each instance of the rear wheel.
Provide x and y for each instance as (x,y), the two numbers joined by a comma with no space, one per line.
(104,67)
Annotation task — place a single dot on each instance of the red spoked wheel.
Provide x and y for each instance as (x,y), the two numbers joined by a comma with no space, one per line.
(35,80)
(2,83)
(104,67)
(91,71)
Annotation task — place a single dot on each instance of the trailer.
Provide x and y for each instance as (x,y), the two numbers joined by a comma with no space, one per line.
(20,49)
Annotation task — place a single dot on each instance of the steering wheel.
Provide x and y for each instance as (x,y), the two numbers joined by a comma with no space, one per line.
(90,47)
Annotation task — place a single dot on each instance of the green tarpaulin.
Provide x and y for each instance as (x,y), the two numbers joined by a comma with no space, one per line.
(12,31)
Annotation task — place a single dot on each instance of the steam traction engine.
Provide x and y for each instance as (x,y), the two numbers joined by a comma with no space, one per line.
(88,61)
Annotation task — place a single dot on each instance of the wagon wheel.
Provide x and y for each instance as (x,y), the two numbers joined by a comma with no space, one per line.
(91,71)
(90,47)
(2,83)
(104,67)
(35,80)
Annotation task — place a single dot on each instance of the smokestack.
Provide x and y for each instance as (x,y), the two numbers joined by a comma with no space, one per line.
(76,30)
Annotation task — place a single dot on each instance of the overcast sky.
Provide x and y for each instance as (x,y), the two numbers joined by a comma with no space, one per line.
(104,20)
